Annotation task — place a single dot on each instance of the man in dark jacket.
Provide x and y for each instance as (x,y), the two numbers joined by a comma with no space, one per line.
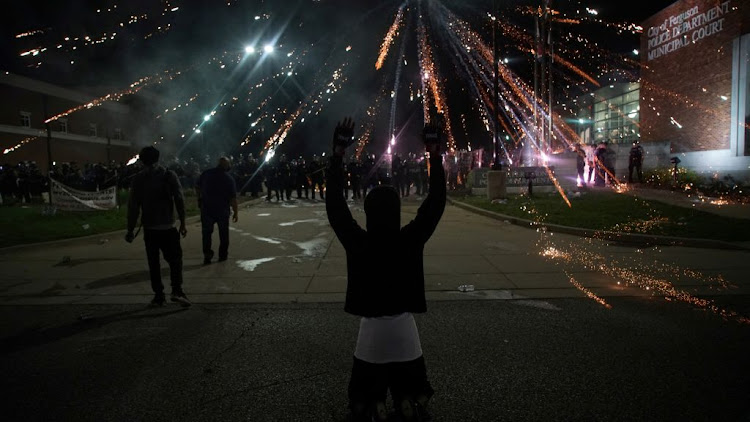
(155,193)
(635,162)
(216,191)
(388,353)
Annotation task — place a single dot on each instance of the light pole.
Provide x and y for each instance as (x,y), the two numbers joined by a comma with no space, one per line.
(496,70)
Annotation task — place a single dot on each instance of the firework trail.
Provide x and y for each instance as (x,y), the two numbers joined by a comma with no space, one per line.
(397,82)
(630,271)
(116,96)
(20,144)
(431,82)
(390,37)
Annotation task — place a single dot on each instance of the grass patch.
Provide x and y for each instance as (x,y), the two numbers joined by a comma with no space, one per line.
(619,213)
(26,224)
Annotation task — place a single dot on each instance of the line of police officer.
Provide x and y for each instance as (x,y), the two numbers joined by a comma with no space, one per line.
(282,176)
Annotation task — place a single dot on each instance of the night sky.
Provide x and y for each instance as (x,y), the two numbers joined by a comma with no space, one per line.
(197,52)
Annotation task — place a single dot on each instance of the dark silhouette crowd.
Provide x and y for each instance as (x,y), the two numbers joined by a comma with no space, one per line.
(278,178)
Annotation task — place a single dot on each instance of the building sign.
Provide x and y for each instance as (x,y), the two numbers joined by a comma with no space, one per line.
(478,177)
(514,177)
(685,28)
(68,199)
(519,176)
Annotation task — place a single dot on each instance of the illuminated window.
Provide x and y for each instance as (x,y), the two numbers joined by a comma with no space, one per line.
(616,117)
(739,138)
(746,54)
(62,125)
(25,119)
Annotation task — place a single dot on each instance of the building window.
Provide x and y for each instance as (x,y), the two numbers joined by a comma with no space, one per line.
(63,125)
(117,135)
(92,129)
(739,136)
(745,54)
(616,118)
(25,119)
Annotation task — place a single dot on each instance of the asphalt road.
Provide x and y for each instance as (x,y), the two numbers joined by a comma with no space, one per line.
(557,359)
(558,328)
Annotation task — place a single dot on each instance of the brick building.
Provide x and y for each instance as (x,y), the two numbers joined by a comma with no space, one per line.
(96,134)
(695,63)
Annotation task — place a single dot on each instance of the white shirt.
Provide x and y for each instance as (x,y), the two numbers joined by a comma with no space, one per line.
(386,339)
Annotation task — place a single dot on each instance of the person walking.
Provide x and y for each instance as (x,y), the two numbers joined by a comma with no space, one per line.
(635,162)
(216,191)
(388,354)
(155,194)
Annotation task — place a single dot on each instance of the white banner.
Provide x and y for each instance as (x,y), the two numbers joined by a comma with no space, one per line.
(68,199)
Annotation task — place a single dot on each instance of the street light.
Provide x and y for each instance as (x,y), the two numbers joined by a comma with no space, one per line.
(250,49)
(207,117)
(268,48)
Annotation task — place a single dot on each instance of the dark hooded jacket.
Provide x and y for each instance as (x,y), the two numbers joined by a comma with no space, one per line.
(155,192)
(384,263)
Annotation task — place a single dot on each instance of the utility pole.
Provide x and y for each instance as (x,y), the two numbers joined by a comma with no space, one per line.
(528,151)
(549,71)
(496,69)
(109,148)
(45,101)
(543,59)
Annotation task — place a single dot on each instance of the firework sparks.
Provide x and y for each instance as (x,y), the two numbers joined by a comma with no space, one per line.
(116,96)
(390,37)
(587,292)
(20,144)
(637,274)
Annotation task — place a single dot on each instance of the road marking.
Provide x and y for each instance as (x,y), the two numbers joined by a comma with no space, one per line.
(252,264)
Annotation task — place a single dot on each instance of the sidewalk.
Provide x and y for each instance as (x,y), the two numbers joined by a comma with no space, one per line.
(287,253)
(691,200)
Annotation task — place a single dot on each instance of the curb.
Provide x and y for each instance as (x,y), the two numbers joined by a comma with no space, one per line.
(188,220)
(619,237)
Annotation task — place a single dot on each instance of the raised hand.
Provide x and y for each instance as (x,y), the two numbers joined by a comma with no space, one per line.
(431,138)
(343,136)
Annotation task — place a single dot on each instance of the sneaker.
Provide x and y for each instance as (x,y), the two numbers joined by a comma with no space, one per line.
(421,413)
(379,412)
(157,302)
(207,258)
(405,409)
(180,298)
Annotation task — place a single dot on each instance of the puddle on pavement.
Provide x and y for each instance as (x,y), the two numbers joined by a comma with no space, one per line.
(537,304)
(252,264)
(268,239)
(310,220)
(315,247)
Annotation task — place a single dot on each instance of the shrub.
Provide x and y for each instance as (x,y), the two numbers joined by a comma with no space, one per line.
(664,178)
(688,180)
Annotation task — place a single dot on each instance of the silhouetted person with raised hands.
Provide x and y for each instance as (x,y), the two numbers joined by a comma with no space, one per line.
(385,286)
